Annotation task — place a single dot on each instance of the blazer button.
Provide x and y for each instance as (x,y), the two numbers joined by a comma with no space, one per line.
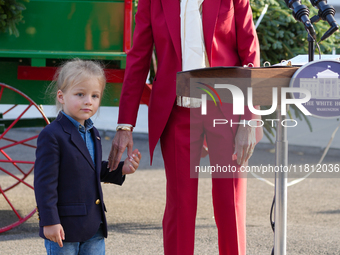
(97,201)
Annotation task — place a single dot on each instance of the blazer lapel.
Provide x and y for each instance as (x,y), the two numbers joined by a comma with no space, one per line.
(210,12)
(98,150)
(171,11)
(75,138)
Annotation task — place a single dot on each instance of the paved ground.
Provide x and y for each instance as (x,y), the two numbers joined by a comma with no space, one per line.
(135,210)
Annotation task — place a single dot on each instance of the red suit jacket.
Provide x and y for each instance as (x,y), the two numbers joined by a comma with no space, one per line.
(230,40)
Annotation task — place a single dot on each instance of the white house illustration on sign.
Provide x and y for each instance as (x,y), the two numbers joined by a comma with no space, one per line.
(326,85)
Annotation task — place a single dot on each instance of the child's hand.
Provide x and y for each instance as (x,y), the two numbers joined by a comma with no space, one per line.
(131,163)
(55,233)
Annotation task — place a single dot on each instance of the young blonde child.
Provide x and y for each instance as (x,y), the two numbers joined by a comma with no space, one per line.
(69,167)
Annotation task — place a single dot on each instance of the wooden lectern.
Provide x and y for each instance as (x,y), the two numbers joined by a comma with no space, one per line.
(262,80)
(258,79)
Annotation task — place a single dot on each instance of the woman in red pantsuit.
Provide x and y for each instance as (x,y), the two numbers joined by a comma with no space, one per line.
(230,40)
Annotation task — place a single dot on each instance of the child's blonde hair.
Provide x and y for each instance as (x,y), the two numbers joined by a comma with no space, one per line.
(75,71)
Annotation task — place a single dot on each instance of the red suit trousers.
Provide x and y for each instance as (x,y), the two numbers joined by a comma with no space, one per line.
(181,142)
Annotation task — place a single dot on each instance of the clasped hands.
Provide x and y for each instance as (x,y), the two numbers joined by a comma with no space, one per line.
(245,141)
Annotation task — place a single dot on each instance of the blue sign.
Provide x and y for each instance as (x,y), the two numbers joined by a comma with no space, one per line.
(322,79)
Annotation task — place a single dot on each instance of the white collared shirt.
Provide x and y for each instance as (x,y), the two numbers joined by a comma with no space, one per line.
(192,43)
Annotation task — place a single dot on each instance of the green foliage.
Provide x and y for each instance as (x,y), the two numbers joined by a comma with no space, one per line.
(11,15)
(282,37)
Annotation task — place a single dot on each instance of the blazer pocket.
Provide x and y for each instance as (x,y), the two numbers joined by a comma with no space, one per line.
(72,210)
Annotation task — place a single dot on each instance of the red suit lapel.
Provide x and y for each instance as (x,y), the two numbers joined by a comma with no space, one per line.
(210,12)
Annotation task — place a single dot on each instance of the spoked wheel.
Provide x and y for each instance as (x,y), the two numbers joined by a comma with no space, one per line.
(17,155)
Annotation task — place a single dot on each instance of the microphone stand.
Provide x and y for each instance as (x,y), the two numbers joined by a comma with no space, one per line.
(281,149)
(310,48)
(326,12)
(300,13)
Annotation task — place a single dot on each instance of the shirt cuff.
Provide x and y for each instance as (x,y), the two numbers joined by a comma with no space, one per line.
(128,125)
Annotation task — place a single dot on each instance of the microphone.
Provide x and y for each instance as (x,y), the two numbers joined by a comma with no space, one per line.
(326,12)
(301,13)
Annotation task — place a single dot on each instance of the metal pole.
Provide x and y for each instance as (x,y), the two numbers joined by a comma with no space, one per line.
(310,48)
(280,213)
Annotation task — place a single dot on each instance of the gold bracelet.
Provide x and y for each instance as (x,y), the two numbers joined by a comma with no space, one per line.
(125,128)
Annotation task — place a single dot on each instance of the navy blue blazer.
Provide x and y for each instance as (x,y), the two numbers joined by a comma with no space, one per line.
(66,183)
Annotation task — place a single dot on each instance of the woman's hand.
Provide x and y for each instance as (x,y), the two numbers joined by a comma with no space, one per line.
(121,141)
(245,141)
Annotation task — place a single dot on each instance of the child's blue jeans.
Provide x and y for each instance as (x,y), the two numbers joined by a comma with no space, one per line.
(94,246)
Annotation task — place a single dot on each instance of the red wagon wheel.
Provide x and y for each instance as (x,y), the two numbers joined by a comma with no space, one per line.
(16,166)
